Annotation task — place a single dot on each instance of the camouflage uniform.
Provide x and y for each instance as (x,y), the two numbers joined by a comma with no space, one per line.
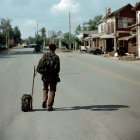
(50,81)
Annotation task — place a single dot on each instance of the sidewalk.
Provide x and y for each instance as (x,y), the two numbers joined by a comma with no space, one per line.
(136,62)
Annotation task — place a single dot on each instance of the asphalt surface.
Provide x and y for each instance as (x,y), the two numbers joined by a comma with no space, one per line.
(98,98)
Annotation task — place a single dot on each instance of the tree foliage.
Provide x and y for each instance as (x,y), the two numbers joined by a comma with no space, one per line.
(43,32)
(38,39)
(31,40)
(92,24)
(5,25)
(9,33)
(78,29)
(16,35)
(65,39)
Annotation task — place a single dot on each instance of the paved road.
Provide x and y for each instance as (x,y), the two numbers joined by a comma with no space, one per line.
(97,99)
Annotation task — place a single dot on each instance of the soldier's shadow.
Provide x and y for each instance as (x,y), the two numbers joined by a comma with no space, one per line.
(91,107)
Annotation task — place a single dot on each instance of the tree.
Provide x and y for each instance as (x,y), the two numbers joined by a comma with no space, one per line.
(92,24)
(2,38)
(8,35)
(31,40)
(5,25)
(78,29)
(56,42)
(16,35)
(84,28)
(38,39)
(5,29)
(65,40)
(43,32)
(43,35)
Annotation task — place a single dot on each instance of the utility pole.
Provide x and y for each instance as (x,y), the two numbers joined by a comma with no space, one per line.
(35,35)
(7,40)
(69,31)
(53,36)
(60,41)
(37,26)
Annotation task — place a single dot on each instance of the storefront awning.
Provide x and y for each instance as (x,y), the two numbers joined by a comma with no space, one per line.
(95,36)
(134,25)
(107,36)
(127,38)
(87,38)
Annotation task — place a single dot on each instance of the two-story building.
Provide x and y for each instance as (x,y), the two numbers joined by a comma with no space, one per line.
(134,39)
(113,26)
(137,25)
(85,36)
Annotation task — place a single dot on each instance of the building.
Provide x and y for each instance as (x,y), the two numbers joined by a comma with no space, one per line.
(134,38)
(137,25)
(113,26)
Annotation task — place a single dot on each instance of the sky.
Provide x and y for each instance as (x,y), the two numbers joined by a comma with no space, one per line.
(53,14)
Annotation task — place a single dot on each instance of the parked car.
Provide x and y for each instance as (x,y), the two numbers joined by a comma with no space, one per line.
(32,45)
(83,48)
(24,45)
(95,51)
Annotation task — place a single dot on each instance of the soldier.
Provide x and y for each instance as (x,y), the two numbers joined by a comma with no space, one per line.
(50,80)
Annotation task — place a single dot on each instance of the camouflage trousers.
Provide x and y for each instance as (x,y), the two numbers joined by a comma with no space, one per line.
(49,89)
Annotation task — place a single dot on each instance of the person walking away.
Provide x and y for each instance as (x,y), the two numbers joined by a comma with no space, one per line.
(50,76)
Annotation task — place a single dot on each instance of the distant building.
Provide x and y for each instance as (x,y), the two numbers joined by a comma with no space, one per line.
(84,34)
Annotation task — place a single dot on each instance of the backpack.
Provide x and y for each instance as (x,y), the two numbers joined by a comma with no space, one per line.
(48,65)
(26,103)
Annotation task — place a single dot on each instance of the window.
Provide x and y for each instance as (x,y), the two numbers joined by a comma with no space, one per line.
(104,27)
(120,22)
(112,27)
(125,25)
(124,22)
(101,28)
(109,27)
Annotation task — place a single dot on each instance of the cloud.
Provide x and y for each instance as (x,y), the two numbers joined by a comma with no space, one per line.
(29,22)
(65,6)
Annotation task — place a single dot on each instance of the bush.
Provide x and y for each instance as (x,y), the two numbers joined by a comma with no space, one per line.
(11,45)
(2,47)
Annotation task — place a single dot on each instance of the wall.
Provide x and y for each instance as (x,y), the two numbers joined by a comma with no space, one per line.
(127,12)
(105,23)
(138,17)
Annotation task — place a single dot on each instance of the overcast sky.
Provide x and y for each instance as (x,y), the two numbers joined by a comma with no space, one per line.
(53,14)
